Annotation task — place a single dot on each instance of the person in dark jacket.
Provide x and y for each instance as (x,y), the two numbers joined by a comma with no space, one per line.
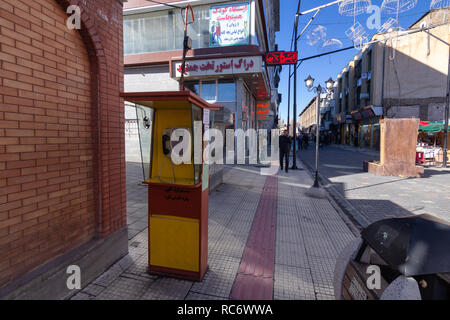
(285,148)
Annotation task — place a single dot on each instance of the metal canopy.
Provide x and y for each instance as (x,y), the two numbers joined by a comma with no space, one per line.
(416,245)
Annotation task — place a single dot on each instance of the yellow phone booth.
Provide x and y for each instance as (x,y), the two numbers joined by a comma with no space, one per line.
(177,194)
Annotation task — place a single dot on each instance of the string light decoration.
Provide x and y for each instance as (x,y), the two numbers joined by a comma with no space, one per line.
(358,35)
(354,7)
(389,26)
(439,4)
(318,35)
(397,6)
(331,44)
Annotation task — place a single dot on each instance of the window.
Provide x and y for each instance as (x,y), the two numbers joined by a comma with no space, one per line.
(164,30)
(226,90)
(213,90)
(193,86)
(208,90)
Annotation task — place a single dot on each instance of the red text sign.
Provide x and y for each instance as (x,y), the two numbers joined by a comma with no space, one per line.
(276,58)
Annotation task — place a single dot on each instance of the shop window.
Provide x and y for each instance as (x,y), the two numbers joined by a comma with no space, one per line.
(226,90)
(208,91)
(193,86)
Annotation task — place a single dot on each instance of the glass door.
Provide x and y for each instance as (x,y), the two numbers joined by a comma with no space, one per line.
(144,116)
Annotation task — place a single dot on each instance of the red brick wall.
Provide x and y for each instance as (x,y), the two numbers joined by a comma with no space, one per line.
(62,165)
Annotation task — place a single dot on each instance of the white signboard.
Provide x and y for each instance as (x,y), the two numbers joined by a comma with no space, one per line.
(206,116)
(229,24)
(240,65)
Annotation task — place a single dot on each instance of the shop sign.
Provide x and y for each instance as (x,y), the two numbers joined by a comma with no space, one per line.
(229,24)
(367,113)
(356,115)
(281,58)
(206,113)
(211,67)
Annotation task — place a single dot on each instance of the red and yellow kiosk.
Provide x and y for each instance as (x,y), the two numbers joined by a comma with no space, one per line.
(177,194)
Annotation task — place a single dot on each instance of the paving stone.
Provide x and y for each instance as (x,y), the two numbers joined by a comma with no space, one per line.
(124,289)
(320,247)
(199,296)
(219,278)
(82,296)
(167,289)
(109,276)
(291,254)
(322,271)
(230,244)
(93,289)
(139,266)
(293,283)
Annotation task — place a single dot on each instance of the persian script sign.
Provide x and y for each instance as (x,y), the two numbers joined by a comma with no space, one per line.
(229,24)
(276,58)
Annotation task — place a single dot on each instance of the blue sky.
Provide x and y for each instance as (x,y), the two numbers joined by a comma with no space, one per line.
(336,25)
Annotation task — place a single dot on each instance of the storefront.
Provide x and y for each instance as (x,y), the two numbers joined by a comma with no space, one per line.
(344,122)
(431,141)
(240,84)
(365,130)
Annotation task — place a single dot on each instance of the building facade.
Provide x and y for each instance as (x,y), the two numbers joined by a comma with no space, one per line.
(225,65)
(403,74)
(307,119)
(62,169)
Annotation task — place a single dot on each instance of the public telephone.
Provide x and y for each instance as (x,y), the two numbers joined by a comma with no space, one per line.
(177,190)
(167,146)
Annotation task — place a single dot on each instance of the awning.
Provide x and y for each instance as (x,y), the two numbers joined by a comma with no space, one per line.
(432,126)
(151,99)
(367,112)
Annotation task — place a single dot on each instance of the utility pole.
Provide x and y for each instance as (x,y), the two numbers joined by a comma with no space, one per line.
(187,44)
(294,118)
(289,98)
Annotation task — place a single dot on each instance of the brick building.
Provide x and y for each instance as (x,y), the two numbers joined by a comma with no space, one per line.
(62,171)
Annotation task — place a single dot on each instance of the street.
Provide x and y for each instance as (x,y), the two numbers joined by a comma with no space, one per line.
(371,198)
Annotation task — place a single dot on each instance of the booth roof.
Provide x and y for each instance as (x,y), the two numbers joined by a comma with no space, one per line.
(170,96)
(432,126)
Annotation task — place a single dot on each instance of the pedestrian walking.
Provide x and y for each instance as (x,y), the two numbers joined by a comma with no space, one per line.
(300,142)
(306,141)
(285,148)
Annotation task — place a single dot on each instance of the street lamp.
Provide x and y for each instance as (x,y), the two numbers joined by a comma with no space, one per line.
(309,82)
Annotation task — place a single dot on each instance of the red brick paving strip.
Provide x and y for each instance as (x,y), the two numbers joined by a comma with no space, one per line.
(254,280)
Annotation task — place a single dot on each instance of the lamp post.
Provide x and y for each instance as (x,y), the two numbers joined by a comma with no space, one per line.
(309,82)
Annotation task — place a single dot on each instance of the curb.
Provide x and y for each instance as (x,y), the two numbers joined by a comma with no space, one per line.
(354,218)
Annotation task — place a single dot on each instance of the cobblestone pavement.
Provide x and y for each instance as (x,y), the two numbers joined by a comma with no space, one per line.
(309,235)
(371,198)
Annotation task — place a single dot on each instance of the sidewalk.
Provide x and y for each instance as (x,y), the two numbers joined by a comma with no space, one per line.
(267,240)
(368,198)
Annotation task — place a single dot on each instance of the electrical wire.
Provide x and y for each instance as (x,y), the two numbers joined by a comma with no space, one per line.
(165,4)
